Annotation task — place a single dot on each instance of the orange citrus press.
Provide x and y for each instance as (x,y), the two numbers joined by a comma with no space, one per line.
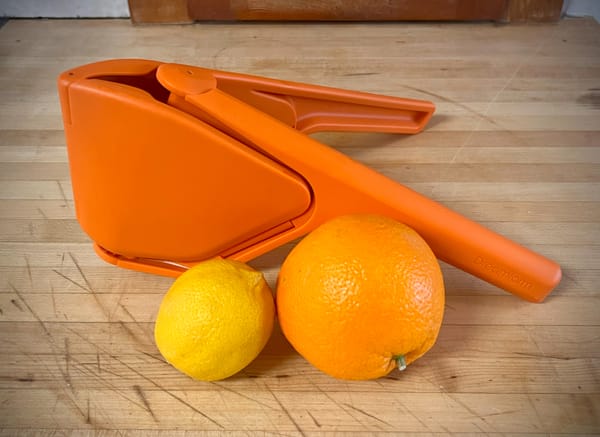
(173,164)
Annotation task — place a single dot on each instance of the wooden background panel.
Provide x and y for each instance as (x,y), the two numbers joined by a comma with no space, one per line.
(354,10)
(182,11)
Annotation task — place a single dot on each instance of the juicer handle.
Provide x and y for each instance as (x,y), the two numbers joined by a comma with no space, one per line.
(343,186)
(470,246)
(318,108)
(308,107)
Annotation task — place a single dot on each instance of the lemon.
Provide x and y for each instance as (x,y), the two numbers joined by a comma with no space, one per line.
(215,319)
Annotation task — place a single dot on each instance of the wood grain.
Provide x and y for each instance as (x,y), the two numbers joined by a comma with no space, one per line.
(514,144)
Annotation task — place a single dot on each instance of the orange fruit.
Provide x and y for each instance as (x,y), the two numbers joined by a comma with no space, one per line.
(360,296)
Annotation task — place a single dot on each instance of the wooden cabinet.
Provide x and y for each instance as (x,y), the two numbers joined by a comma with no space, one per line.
(184,11)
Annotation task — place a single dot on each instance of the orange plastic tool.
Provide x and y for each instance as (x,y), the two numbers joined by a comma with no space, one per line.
(173,164)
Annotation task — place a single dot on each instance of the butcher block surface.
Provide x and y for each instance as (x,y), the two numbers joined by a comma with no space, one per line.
(514,144)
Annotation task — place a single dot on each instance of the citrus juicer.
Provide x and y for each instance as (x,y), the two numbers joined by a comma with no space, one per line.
(173,164)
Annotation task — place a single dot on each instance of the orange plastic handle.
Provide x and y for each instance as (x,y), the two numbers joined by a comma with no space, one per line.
(308,107)
(341,185)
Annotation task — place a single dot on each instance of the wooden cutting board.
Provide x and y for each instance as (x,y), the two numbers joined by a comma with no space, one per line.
(514,144)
